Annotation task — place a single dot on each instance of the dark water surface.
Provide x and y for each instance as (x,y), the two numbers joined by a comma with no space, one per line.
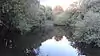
(48,46)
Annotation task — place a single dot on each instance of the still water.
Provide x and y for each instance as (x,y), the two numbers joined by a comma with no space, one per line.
(51,47)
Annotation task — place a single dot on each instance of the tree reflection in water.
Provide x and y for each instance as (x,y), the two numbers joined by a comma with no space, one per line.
(51,47)
(60,46)
(87,49)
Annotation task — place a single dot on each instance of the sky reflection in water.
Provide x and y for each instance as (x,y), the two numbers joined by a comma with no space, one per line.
(51,47)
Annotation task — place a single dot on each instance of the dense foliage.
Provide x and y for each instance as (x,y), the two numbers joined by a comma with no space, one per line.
(20,13)
(87,28)
(20,16)
(83,18)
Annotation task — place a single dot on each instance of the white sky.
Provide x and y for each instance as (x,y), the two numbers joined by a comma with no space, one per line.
(53,3)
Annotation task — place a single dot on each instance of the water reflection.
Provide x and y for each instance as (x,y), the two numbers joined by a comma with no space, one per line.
(51,47)
(87,49)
